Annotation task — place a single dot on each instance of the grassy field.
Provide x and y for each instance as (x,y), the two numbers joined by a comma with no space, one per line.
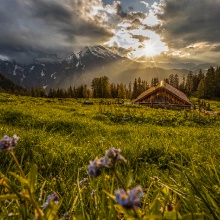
(173,155)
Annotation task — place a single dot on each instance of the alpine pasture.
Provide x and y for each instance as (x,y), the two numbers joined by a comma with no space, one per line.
(173,155)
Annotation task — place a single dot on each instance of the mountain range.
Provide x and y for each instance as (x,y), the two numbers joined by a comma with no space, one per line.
(81,68)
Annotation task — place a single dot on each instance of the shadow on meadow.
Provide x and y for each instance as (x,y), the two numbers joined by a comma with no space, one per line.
(172,118)
(20,119)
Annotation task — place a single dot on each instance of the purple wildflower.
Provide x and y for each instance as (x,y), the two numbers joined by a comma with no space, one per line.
(95,166)
(8,143)
(114,155)
(129,199)
(51,198)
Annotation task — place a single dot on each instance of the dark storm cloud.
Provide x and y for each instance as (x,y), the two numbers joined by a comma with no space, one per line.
(190,21)
(51,12)
(128,15)
(31,28)
(140,38)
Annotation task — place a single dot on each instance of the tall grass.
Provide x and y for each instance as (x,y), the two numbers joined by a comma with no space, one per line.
(179,148)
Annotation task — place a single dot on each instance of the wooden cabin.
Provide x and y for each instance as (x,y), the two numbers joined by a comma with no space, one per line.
(164,96)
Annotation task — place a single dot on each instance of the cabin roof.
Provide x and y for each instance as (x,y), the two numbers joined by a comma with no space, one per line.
(167,87)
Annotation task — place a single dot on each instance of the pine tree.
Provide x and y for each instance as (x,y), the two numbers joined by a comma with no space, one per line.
(70,92)
(189,83)
(171,80)
(135,89)
(210,85)
(129,92)
(101,87)
(114,92)
(201,91)
(217,81)
(33,92)
(176,81)
(105,87)
(154,81)
(121,91)
(96,87)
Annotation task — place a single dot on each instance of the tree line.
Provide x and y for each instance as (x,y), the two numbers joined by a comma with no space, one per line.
(201,85)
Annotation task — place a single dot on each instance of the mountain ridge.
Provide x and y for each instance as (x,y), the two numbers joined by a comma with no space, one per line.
(80,68)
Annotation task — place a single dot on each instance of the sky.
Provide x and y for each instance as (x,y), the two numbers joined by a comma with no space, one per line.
(142,30)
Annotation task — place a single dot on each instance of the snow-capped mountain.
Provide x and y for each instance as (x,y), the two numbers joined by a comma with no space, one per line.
(72,70)
(80,68)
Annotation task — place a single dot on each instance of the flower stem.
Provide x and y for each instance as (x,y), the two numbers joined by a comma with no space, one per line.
(119,179)
(17,163)
(39,212)
(136,214)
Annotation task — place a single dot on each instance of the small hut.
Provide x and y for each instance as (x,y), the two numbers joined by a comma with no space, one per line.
(164,96)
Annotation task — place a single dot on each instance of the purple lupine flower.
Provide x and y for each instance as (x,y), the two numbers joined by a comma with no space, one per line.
(115,155)
(122,198)
(129,199)
(95,166)
(135,195)
(104,162)
(51,198)
(8,143)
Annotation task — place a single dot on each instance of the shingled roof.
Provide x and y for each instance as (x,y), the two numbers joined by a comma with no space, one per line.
(167,87)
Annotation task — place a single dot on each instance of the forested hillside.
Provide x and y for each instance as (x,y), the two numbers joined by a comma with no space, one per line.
(7,85)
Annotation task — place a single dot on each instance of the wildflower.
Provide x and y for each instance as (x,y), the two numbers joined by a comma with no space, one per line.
(51,198)
(122,198)
(129,199)
(66,216)
(111,157)
(107,177)
(115,155)
(85,181)
(3,183)
(93,192)
(8,143)
(156,178)
(95,166)
(104,162)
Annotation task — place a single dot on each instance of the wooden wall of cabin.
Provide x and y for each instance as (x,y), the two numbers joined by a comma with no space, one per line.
(162,96)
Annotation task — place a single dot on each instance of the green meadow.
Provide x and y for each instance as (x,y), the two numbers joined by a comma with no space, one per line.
(174,155)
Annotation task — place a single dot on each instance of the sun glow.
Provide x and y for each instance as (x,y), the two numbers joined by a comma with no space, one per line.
(149,49)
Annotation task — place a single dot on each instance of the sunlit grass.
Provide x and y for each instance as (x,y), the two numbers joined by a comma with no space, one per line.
(62,136)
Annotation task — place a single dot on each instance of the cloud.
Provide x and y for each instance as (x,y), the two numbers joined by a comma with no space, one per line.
(140,38)
(186,22)
(38,28)
(128,15)
(216,48)
(145,3)
(49,26)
